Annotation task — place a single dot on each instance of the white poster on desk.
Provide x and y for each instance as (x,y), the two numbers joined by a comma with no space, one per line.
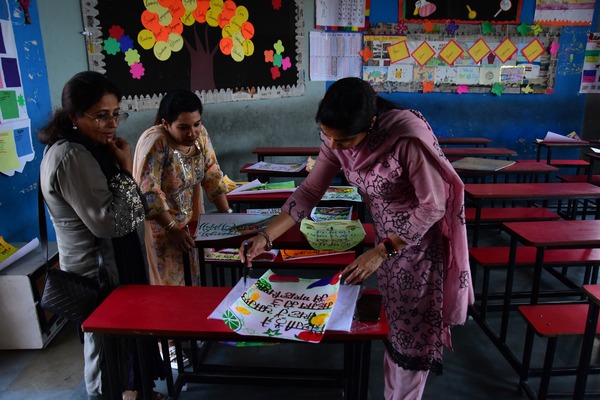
(221,226)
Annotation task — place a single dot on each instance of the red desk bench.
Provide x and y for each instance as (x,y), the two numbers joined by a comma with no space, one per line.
(490,258)
(550,321)
(510,214)
(133,310)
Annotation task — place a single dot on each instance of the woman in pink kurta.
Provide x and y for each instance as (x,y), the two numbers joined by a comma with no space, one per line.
(415,199)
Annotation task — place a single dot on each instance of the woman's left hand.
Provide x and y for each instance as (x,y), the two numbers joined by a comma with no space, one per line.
(361,268)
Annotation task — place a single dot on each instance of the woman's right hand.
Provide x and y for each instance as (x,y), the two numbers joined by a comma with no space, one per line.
(251,248)
(120,150)
(181,239)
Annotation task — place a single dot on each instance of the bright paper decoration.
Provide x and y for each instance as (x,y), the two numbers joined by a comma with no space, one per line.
(423,53)
(533,50)
(505,50)
(284,307)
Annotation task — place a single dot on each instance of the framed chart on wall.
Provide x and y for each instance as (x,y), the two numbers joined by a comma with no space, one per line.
(465,11)
(223,50)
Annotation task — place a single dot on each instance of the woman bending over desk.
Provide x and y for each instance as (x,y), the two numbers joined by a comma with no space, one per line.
(173,159)
(416,201)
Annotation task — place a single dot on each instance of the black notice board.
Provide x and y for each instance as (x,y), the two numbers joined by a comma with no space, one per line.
(496,11)
(200,65)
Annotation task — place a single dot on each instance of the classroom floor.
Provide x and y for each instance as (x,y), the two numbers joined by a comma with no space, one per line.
(474,370)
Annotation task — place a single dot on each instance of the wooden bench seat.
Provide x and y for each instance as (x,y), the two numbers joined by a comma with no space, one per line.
(574,163)
(578,178)
(498,257)
(511,214)
(550,321)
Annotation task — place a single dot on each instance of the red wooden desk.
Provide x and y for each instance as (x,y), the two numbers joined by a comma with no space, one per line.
(519,169)
(261,152)
(587,347)
(266,200)
(180,312)
(480,192)
(496,152)
(542,235)
(548,145)
(291,239)
(464,141)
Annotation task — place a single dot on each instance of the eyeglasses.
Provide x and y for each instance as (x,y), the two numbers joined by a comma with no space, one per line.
(104,119)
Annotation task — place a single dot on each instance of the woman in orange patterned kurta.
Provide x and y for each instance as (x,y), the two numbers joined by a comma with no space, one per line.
(173,159)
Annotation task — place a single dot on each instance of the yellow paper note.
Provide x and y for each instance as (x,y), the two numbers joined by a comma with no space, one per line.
(8,152)
(6,249)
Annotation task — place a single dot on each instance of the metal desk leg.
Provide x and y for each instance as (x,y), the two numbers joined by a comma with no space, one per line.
(508,290)
(586,351)
(112,369)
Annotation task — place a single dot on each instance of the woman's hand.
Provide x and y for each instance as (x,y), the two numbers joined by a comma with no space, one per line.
(120,150)
(361,268)
(181,239)
(251,248)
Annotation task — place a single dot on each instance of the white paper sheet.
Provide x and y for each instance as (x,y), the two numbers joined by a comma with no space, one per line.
(341,316)
(28,248)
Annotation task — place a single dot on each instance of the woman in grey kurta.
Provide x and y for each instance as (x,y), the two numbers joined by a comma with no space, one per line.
(95,205)
(416,202)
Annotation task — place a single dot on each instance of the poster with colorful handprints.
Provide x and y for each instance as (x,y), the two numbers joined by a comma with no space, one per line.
(284,308)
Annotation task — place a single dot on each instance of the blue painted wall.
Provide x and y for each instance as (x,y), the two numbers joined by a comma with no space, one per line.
(18,193)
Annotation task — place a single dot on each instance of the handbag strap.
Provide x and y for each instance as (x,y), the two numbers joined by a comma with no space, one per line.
(42,223)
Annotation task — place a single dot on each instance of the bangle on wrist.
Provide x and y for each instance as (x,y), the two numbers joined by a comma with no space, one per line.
(390,249)
(169,227)
(264,234)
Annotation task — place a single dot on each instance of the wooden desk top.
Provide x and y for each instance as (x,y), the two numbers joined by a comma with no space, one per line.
(531,190)
(464,140)
(246,170)
(291,239)
(286,151)
(592,292)
(582,143)
(516,168)
(564,233)
(259,197)
(182,311)
(478,152)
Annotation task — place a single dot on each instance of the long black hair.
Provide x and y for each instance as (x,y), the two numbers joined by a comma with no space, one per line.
(80,93)
(349,106)
(176,102)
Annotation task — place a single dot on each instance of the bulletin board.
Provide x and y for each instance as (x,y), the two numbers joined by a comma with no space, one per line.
(464,11)
(222,50)
(507,59)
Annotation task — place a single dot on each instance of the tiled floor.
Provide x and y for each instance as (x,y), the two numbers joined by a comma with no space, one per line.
(474,370)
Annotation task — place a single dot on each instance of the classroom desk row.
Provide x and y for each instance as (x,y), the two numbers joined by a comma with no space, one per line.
(544,236)
(305,151)
(130,311)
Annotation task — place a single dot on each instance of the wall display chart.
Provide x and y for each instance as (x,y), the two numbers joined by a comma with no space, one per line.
(16,147)
(222,50)
(506,59)
(590,74)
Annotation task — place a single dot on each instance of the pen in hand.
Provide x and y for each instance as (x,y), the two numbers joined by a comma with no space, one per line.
(245,264)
